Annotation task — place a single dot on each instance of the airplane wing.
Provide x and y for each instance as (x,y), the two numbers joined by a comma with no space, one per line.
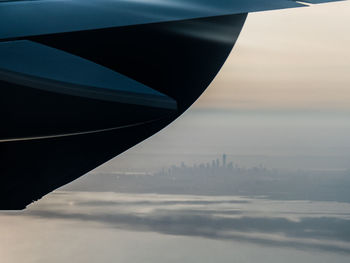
(22,18)
(84,80)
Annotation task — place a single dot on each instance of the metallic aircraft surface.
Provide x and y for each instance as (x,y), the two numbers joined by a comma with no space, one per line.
(84,80)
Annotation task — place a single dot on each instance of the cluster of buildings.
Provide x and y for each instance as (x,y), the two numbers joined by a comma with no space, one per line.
(215,167)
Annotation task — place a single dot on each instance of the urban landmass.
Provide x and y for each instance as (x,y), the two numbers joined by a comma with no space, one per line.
(225,177)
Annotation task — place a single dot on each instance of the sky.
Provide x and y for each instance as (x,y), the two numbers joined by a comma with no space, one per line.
(287,59)
(282,99)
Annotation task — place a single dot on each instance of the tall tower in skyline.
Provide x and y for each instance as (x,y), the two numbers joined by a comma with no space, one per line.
(224,160)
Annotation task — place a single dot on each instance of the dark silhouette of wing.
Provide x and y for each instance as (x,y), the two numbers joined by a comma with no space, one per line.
(82,81)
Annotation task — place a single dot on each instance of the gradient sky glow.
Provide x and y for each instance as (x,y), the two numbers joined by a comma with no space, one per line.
(283,97)
(288,59)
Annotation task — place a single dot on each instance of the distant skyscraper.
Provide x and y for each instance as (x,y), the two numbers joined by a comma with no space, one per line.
(224,160)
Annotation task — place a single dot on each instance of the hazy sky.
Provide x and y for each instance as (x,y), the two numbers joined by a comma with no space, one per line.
(294,58)
(286,85)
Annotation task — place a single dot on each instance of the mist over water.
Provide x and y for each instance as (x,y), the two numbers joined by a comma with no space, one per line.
(112,227)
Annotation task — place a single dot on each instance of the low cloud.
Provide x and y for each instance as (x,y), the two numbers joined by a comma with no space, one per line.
(195,218)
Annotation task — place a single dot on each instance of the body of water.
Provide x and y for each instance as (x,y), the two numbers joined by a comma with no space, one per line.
(69,226)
